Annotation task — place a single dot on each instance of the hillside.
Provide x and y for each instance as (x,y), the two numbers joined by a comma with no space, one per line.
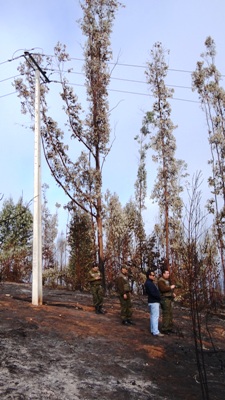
(63,350)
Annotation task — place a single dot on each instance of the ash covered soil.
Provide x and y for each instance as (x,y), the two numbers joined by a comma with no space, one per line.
(62,350)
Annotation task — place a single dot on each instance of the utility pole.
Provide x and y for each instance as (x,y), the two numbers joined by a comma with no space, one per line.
(37,217)
(37,294)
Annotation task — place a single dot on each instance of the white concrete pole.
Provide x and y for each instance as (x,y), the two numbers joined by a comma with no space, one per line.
(37,218)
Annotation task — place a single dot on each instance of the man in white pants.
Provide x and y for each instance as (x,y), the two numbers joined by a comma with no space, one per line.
(153,301)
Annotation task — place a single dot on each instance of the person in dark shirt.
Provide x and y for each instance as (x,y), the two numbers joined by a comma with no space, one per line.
(153,301)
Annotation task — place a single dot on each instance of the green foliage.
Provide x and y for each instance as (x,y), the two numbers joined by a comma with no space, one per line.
(15,240)
(82,249)
(124,236)
(141,182)
(114,228)
(49,233)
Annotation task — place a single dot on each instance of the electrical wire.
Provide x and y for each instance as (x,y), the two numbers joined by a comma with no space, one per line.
(133,65)
(116,79)
(112,78)
(12,59)
(129,92)
(8,94)
(114,90)
(110,63)
(11,77)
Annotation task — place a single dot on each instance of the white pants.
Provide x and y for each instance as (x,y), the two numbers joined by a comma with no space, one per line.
(154,318)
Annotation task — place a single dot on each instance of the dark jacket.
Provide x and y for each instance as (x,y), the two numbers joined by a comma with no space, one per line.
(152,291)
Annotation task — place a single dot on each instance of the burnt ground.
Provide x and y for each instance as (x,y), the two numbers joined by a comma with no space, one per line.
(63,350)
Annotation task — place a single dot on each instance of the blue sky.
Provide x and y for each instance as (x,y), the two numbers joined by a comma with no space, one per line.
(182,27)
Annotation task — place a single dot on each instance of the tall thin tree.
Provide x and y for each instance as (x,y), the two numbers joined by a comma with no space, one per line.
(167,186)
(141,190)
(206,80)
(81,179)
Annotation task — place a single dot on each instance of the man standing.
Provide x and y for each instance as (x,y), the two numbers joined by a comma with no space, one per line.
(95,279)
(167,296)
(124,290)
(153,301)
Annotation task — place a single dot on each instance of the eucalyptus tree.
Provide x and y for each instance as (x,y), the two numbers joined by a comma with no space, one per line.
(134,235)
(141,189)
(115,228)
(167,188)
(61,252)
(80,178)
(206,81)
(141,181)
(15,239)
(123,231)
(81,247)
(49,233)
(130,233)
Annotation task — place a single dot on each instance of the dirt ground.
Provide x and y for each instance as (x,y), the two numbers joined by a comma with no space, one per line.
(63,350)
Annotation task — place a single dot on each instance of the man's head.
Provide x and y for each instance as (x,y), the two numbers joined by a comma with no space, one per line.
(124,269)
(165,274)
(150,274)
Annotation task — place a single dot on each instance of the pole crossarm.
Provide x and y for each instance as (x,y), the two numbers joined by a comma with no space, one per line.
(43,73)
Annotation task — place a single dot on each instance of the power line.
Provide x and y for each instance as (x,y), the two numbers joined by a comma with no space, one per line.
(112,78)
(12,59)
(129,92)
(122,64)
(110,90)
(141,66)
(21,56)
(150,95)
(134,65)
(8,94)
(11,77)
(117,79)
(110,63)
